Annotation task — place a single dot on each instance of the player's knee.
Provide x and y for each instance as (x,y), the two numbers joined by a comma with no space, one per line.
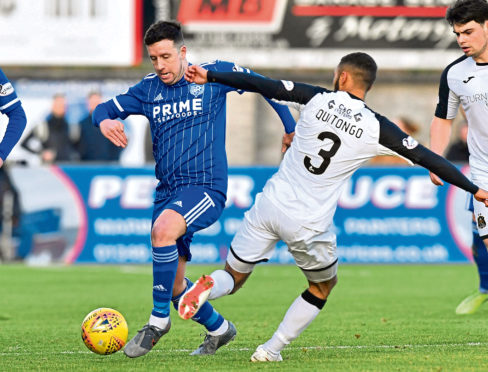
(161,235)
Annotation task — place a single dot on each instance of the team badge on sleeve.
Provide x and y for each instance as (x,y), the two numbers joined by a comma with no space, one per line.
(196,90)
(6,89)
(410,143)
(288,85)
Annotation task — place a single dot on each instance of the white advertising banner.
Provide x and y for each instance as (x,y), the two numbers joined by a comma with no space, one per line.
(71,32)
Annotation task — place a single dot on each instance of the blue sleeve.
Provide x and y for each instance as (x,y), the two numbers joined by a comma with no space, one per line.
(16,125)
(8,97)
(282,111)
(120,106)
(11,106)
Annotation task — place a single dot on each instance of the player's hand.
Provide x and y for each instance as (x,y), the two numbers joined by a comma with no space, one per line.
(114,131)
(436,179)
(286,141)
(196,74)
(482,196)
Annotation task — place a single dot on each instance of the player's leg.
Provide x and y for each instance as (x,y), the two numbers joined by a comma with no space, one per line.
(253,243)
(480,254)
(298,317)
(167,228)
(315,254)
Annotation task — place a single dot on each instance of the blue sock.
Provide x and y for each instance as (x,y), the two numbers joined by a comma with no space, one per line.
(165,263)
(480,255)
(206,316)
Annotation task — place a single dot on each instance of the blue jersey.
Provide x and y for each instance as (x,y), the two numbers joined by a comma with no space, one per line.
(10,105)
(188,128)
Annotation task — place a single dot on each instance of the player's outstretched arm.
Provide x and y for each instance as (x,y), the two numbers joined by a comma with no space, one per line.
(196,74)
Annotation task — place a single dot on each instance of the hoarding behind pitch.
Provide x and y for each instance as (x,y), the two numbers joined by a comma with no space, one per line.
(399,34)
(70,32)
(385,215)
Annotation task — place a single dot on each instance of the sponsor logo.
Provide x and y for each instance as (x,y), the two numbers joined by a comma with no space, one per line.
(331,104)
(179,203)
(6,89)
(179,109)
(288,85)
(410,143)
(196,90)
(358,117)
(159,97)
(232,15)
(468,79)
(481,222)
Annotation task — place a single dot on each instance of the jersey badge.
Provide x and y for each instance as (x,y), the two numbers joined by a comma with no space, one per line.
(410,143)
(6,89)
(481,222)
(196,90)
(358,117)
(179,203)
(468,79)
(331,104)
(159,97)
(288,85)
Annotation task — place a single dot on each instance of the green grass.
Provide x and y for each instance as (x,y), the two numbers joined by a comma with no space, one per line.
(378,318)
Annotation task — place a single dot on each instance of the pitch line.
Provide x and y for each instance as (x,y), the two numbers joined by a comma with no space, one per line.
(336,347)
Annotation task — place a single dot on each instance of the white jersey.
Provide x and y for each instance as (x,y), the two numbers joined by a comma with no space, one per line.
(465,82)
(335,135)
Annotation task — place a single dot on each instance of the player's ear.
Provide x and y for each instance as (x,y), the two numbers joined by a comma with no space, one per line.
(183,51)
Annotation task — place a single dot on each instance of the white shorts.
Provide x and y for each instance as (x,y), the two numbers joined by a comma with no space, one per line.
(480,211)
(264,225)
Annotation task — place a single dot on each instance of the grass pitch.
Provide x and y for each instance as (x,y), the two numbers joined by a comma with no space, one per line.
(378,318)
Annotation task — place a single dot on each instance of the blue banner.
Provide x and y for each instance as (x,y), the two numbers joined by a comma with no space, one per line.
(385,215)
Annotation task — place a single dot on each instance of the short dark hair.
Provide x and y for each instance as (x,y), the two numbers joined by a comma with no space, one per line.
(362,66)
(161,30)
(464,11)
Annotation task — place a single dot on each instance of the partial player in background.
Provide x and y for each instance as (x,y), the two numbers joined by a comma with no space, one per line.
(335,135)
(188,133)
(11,106)
(464,82)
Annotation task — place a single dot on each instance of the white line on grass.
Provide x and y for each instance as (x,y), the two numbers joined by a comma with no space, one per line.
(336,347)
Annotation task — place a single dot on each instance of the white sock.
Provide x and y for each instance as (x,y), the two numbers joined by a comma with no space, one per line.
(299,315)
(161,323)
(221,330)
(223,284)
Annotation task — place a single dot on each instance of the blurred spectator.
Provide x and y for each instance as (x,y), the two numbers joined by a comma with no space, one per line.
(458,150)
(148,145)
(408,126)
(51,139)
(92,145)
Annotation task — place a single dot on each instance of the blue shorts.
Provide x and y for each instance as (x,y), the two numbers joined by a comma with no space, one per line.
(199,206)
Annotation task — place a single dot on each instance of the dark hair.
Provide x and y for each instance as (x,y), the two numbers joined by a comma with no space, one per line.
(161,30)
(464,11)
(362,66)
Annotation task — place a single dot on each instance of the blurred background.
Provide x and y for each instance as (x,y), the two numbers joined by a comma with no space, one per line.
(71,197)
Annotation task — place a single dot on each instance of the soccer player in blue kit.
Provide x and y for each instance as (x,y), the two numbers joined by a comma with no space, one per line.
(188,131)
(11,106)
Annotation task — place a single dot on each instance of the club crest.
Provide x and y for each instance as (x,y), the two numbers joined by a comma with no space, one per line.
(196,90)
(481,222)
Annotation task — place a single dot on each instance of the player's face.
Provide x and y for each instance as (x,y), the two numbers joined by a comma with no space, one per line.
(169,61)
(472,38)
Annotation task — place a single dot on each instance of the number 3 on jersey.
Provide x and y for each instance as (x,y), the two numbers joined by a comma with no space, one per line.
(326,155)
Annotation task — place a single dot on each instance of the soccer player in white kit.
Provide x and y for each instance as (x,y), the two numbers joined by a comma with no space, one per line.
(465,82)
(335,135)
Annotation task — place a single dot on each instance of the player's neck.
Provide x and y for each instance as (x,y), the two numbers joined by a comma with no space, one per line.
(360,93)
(483,58)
